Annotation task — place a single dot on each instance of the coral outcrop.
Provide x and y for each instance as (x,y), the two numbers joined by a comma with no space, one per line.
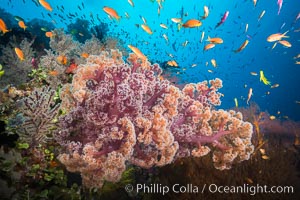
(121,113)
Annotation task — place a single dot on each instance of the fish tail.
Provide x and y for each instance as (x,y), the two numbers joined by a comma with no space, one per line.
(219,24)
(5,31)
(118,18)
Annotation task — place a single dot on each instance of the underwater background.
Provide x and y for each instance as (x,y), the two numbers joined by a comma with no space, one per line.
(233,68)
(260,80)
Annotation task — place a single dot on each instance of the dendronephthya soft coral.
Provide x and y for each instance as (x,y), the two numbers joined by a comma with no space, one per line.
(121,113)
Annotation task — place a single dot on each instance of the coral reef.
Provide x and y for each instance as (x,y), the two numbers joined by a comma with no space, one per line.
(266,126)
(29,172)
(92,46)
(39,112)
(63,44)
(50,63)
(16,70)
(280,170)
(121,113)
(65,55)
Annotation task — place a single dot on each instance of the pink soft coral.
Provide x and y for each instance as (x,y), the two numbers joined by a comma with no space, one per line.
(125,113)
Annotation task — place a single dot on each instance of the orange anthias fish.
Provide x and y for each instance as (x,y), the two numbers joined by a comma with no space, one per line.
(242,46)
(46,5)
(49,34)
(209,46)
(285,43)
(111,12)
(172,63)
(192,23)
(215,40)
(19,53)
(137,52)
(277,36)
(22,25)
(62,60)
(85,55)
(3,27)
(146,28)
(254,2)
(53,73)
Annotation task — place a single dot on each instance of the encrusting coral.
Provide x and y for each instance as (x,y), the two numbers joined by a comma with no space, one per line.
(122,113)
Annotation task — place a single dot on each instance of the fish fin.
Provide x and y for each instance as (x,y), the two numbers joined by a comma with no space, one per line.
(285,33)
(180,26)
(208,39)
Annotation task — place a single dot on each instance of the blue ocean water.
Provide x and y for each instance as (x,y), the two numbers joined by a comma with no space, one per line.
(234,69)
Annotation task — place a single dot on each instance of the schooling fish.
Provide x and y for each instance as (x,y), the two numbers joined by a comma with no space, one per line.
(250,93)
(208,46)
(242,46)
(215,40)
(223,19)
(22,25)
(254,2)
(111,12)
(166,38)
(18,18)
(246,28)
(192,23)
(285,43)
(19,53)
(206,12)
(3,27)
(279,3)
(172,63)
(46,5)
(137,52)
(213,62)
(297,17)
(176,20)
(146,28)
(202,36)
(236,102)
(261,15)
(277,36)
(163,26)
(131,3)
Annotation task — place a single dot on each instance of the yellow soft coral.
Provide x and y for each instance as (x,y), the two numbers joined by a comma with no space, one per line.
(263,78)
